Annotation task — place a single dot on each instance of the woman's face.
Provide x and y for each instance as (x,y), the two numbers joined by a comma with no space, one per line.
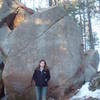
(42,64)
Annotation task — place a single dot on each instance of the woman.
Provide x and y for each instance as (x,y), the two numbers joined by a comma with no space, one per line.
(40,78)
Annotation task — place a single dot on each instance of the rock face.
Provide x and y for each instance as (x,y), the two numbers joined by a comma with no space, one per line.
(95,82)
(6,7)
(91,64)
(4,33)
(10,10)
(50,35)
(11,16)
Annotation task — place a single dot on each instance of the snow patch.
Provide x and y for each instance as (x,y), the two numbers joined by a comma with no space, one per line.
(85,93)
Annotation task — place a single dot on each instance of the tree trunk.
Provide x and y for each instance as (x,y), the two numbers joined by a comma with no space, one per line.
(90,27)
(84,30)
(99,4)
(84,26)
(50,2)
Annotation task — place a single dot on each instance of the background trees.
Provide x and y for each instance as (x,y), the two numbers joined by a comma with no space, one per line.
(83,11)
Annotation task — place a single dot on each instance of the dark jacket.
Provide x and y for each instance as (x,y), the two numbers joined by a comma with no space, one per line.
(41,78)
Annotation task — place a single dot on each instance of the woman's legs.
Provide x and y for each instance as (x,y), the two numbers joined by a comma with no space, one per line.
(43,92)
(37,89)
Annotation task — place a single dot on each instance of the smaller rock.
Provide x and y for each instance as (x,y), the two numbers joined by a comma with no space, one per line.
(95,82)
(91,98)
(91,64)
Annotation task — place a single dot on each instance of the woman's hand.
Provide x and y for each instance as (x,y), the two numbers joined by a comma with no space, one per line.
(32,82)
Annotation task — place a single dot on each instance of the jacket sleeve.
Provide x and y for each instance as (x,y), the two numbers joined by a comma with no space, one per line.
(48,75)
(34,76)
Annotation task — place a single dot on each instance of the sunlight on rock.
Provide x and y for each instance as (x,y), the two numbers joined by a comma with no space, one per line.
(62,48)
(39,21)
(62,45)
(1,3)
(18,20)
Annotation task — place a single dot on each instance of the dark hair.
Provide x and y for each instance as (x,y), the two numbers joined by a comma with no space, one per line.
(45,66)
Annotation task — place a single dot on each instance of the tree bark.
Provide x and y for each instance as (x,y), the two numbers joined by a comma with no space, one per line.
(90,27)
(84,26)
(99,4)
(84,30)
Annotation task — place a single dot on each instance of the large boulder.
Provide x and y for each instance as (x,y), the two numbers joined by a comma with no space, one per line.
(91,64)
(53,36)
